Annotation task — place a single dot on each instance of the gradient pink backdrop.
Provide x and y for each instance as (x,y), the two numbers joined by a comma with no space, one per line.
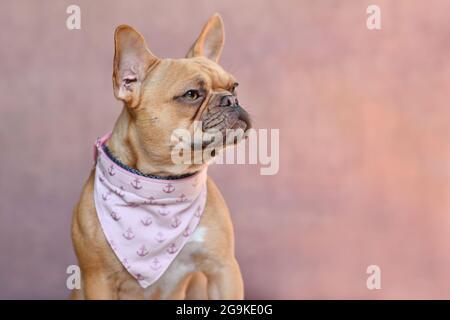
(364,126)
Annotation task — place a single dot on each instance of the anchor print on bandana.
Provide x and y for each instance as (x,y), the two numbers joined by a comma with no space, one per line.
(143,251)
(160,237)
(111,170)
(129,234)
(106,195)
(146,221)
(163,212)
(155,265)
(182,198)
(119,192)
(115,216)
(126,264)
(172,248)
(175,222)
(136,183)
(198,212)
(139,277)
(187,232)
(149,201)
(168,188)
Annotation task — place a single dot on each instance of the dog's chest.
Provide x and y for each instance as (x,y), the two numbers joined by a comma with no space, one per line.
(181,266)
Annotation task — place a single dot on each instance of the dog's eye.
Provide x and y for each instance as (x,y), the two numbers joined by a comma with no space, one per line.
(129,80)
(192,94)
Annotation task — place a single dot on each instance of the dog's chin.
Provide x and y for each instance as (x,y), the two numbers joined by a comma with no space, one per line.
(232,134)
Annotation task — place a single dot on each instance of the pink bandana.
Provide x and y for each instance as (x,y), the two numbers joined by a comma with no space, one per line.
(146,221)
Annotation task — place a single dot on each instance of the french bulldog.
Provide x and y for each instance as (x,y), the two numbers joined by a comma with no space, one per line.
(160,96)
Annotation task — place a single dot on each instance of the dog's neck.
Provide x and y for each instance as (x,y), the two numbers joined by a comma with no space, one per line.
(124,145)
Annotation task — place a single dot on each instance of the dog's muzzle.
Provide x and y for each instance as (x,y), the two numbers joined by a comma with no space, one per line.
(228,114)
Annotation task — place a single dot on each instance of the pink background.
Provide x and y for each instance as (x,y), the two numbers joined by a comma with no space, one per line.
(364,126)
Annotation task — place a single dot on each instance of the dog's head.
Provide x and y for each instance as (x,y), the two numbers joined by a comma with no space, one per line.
(163,95)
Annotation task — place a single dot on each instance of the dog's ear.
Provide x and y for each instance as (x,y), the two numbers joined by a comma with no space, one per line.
(211,40)
(132,59)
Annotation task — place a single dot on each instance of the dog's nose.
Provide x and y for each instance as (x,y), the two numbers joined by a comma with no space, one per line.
(228,101)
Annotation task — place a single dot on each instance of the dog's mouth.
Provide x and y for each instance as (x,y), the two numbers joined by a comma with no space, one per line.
(227,125)
(222,126)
